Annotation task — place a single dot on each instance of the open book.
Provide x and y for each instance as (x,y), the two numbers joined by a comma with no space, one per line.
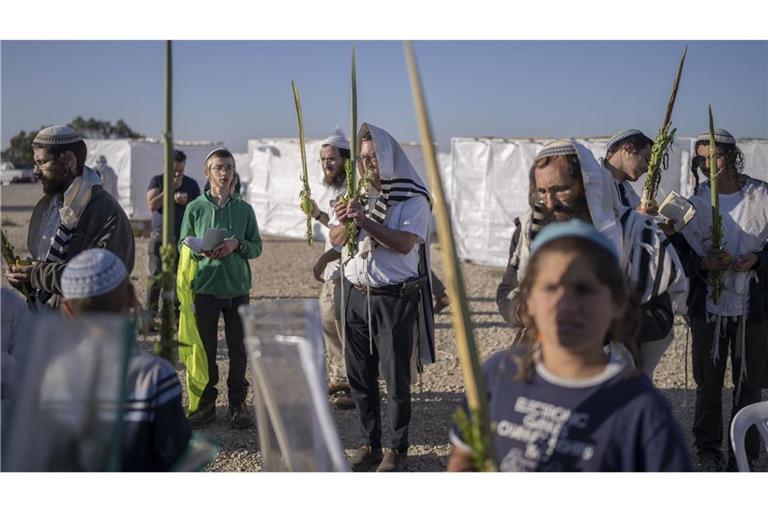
(212,239)
(678,209)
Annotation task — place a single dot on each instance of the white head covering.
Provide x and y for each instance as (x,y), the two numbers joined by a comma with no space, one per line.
(92,273)
(338,139)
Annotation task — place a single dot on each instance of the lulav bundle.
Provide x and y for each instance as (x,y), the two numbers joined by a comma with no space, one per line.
(660,149)
(716,234)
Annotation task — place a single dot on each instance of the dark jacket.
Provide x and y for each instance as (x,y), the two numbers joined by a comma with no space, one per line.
(102,224)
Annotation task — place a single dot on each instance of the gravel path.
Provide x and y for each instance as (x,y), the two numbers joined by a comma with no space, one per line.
(284,270)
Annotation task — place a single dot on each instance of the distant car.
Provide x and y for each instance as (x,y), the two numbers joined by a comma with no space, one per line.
(10,174)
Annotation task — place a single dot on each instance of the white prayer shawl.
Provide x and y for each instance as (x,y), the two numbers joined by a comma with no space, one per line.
(650,267)
(753,224)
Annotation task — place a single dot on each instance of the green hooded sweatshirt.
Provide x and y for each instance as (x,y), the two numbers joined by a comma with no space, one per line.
(231,276)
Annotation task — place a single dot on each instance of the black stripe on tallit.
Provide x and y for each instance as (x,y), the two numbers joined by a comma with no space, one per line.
(659,270)
(644,261)
(395,199)
(404,180)
(64,229)
(622,194)
(60,240)
(624,217)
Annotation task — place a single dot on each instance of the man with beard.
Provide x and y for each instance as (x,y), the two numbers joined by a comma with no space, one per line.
(75,214)
(387,293)
(334,152)
(566,182)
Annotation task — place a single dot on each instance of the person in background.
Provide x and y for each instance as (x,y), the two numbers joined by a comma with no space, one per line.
(185,190)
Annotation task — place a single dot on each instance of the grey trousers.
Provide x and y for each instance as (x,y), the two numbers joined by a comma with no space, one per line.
(330,313)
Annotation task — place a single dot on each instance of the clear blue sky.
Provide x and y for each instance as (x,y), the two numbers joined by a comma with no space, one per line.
(236,90)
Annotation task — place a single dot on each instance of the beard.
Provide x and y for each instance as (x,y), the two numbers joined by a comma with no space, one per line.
(57,183)
(334,180)
(561,212)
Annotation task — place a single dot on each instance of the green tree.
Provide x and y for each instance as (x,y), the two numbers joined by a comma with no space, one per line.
(20,152)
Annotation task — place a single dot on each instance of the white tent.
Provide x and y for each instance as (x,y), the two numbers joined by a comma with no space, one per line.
(136,161)
(487,184)
(275,184)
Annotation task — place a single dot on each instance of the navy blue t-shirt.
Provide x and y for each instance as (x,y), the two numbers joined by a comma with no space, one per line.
(189,186)
(615,421)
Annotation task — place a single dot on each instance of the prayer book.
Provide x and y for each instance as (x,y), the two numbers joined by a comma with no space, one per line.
(212,239)
(678,209)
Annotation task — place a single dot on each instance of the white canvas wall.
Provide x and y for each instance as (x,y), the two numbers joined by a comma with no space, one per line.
(136,161)
(488,184)
(273,191)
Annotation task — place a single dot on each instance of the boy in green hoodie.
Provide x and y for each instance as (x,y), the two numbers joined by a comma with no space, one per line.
(222,283)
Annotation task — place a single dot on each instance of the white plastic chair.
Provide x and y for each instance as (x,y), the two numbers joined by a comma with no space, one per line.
(754,414)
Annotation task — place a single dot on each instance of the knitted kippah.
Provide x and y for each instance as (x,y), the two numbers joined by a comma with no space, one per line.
(721,136)
(557,148)
(624,134)
(57,135)
(92,273)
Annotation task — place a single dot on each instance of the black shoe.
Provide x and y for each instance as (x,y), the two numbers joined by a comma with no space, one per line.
(240,418)
(394,461)
(203,416)
(365,457)
(710,462)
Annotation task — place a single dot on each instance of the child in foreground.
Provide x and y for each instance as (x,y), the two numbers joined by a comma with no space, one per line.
(557,401)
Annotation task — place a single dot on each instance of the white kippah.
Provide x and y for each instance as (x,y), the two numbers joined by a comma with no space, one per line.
(92,273)
(57,135)
(337,140)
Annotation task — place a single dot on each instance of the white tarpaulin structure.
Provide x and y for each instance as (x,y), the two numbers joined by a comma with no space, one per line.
(487,186)
(273,191)
(135,161)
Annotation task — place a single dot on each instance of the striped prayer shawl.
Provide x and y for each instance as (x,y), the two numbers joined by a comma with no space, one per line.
(651,266)
(75,200)
(393,191)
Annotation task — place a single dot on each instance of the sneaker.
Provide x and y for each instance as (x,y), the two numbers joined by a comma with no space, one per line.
(365,457)
(342,400)
(394,461)
(203,416)
(239,417)
(710,462)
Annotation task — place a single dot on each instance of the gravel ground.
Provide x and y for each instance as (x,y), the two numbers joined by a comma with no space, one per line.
(284,270)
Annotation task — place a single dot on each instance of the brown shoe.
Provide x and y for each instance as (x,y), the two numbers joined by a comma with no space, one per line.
(440,304)
(394,461)
(335,387)
(365,457)
(342,400)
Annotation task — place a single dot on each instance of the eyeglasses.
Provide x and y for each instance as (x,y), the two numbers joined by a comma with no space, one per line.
(40,163)
(560,193)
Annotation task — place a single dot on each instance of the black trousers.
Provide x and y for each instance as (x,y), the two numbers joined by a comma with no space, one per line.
(155,267)
(207,310)
(708,415)
(393,323)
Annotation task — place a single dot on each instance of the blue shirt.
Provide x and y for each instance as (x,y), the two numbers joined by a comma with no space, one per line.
(615,421)
(189,186)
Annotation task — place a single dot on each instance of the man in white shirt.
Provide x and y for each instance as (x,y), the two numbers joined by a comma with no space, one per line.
(388,295)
